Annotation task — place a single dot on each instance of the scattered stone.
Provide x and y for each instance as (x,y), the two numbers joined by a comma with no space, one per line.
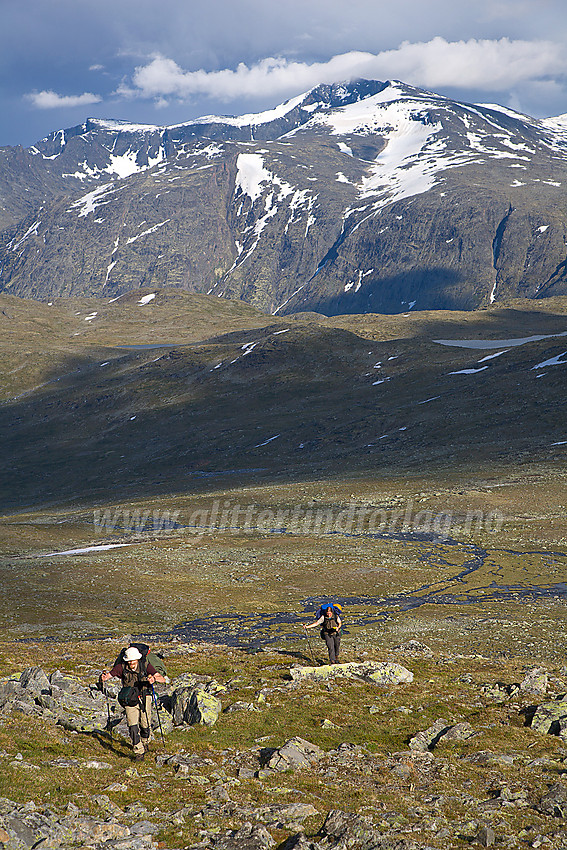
(535,682)
(427,739)
(486,836)
(240,706)
(24,827)
(348,830)
(554,802)
(499,691)
(63,762)
(248,837)
(413,647)
(246,773)
(294,754)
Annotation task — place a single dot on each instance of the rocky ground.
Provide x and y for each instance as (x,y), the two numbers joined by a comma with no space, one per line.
(413,750)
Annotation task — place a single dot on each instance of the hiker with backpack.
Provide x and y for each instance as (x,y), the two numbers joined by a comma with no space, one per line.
(329,618)
(138,676)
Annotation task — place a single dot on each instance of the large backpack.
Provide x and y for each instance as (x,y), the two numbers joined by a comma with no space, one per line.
(338,609)
(148,657)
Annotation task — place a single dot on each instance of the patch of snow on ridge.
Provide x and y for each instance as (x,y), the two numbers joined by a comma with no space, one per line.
(267,441)
(101,548)
(251,174)
(89,202)
(495,107)
(124,126)
(553,361)
(145,299)
(146,232)
(469,371)
(413,155)
(492,356)
(124,165)
(31,230)
(496,343)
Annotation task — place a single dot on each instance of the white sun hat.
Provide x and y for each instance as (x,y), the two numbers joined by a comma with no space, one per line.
(132,654)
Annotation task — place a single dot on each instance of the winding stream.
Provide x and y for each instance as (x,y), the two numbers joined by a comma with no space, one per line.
(261,628)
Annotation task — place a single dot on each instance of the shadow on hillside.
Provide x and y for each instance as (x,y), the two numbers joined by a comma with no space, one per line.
(424,288)
(150,424)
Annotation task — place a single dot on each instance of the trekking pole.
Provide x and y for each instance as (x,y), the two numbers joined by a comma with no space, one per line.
(108,724)
(310,650)
(158,717)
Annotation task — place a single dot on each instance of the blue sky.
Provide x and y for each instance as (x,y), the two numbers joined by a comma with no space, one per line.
(169,61)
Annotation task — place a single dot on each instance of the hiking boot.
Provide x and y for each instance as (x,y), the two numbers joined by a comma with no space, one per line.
(139,756)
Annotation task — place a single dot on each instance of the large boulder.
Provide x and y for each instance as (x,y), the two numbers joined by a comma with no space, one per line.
(35,681)
(203,707)
(375,672)
(551,718)
(178,704)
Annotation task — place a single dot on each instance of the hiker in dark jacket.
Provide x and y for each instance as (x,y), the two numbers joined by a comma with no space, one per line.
(136,672)
(330,621)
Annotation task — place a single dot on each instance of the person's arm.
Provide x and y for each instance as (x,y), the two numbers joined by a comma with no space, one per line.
(316,623)
(339,623)
(153,675)
(116,672)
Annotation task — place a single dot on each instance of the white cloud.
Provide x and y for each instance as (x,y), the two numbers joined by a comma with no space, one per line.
(484,64)
(52,100)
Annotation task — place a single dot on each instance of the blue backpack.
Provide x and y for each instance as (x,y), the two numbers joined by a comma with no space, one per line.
(337,609)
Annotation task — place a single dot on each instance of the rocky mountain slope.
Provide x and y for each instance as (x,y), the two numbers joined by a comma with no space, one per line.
(457,754)
(352,198)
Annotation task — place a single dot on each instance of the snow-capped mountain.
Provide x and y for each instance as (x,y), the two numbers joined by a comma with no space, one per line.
(369,196)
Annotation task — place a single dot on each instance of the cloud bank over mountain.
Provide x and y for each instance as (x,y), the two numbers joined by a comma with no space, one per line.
(168,63)
(488,65)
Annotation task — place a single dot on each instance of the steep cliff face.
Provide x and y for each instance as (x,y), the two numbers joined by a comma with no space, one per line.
(367,197)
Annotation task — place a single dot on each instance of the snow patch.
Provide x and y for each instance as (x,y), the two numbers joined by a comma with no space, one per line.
(469,371)
(89,202)
(146,232)
(553,361)
(496,343)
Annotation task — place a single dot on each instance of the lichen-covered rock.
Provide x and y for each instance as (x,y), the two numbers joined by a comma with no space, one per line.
(551,718)
(202,707)
(295,753)
(427,739)
(378,673)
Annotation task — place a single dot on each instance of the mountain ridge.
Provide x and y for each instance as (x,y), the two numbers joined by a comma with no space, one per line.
(352,198)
